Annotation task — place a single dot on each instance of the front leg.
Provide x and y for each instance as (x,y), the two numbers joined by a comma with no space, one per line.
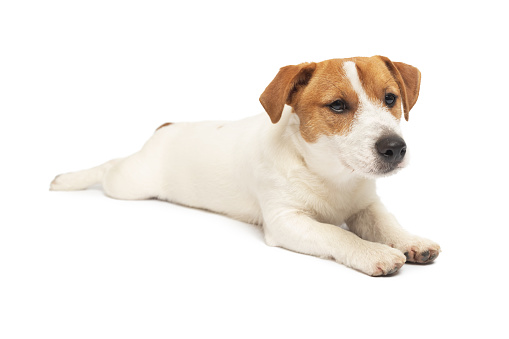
(376,224)
(296,231)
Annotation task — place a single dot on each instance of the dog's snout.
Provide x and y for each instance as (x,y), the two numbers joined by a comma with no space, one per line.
(391,148)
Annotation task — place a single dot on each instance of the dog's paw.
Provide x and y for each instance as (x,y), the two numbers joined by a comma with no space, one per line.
(71,181)
(60,183)
(380,260)
(54,186)
(419,250)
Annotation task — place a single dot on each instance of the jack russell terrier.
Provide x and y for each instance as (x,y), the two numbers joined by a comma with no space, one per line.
(333,130)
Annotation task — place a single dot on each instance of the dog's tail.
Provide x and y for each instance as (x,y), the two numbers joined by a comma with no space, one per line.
(82,179)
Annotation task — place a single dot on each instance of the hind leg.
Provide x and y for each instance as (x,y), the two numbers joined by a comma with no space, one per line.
(132,178)
(81,180)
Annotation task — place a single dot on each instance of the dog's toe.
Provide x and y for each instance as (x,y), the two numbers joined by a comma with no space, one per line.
(424,256)
(389,261)
(394,269)
(421,253)
(433,255)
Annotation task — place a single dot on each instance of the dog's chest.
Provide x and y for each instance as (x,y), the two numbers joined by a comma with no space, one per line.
(332,203)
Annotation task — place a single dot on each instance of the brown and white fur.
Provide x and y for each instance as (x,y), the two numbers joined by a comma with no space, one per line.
(300,174)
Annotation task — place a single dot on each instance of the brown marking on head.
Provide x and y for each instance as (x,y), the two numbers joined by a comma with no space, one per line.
(378,81)
(163,125)
(408,79)
(328,84)
(282,89)
(311,87)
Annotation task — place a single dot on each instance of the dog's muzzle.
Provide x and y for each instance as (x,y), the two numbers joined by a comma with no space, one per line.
(391,149)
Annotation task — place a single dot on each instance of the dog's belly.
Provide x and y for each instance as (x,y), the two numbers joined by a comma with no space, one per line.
(203,165)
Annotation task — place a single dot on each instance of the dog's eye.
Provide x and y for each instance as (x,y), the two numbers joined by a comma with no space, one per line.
(390,99)
(338,106)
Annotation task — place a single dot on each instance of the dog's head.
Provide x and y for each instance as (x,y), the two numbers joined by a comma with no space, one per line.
(349,109)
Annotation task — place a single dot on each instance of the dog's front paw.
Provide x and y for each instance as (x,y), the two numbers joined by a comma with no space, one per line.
(380,260)
(419,250)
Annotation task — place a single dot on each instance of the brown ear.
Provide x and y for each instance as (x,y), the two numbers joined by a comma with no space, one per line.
(409,81)
(282,89)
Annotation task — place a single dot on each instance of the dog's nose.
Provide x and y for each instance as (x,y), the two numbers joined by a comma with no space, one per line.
(391,148)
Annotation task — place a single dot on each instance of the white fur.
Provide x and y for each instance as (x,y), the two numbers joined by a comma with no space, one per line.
(372,121)
(267,174)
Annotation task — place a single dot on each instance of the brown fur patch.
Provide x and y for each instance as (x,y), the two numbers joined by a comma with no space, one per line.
(288,81)
(163,125)
(408,79)
(377,81)
(311,87)
(328,84)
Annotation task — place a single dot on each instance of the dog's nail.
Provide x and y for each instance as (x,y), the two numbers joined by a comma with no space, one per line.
(433,256)
(394,269)
(425,255)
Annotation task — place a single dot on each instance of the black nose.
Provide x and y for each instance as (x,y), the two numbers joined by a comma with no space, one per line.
(391,148)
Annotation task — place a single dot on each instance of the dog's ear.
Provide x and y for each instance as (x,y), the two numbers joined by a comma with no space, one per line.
(283,88)
(409,81)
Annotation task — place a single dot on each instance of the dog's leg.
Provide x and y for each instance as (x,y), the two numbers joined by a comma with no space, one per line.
(376,224)
(131,178)
(300,233)
(81,180)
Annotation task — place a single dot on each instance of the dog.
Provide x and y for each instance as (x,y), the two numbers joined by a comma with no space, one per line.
(301,173)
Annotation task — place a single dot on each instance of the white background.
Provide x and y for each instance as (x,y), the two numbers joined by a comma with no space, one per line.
(82,82)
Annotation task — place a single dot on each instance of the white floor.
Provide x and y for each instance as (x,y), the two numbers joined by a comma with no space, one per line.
(80,265)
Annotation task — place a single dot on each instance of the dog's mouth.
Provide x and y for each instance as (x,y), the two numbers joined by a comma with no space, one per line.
(386,170)
(375,168)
